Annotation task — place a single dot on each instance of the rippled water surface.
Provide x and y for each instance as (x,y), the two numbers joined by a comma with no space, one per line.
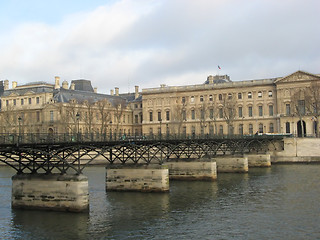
(281,202)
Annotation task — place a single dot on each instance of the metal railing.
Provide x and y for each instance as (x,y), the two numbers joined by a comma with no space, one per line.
(43,138)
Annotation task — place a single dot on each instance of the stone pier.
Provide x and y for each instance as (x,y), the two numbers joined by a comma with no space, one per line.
(54,192)
(137,177)
(232,164)
(259,160)
(192,170)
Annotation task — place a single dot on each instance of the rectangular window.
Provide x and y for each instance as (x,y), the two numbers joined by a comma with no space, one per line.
(270,93)
(184,115)
(220,113)
(29,101)
(240,111)
(22,101)
(259,94)
(193,114)
(150,116)
(211,113)
(210,98)
(14,102)
(271,128)
(201,98)
(7,102)
(202,113)
(239,96)
(167,115)
(270,110)
(221,130)
(301,107)
(260,111)
(288,109)
(250,111)
(192,99)
(136,119)
(183,100)
(250,129)
(249,95)
(37,100)
(241,129)
(51,116)
(38,116)
(159,116)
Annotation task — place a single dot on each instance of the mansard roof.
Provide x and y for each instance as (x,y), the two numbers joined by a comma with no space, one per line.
(23,91)
(66,95)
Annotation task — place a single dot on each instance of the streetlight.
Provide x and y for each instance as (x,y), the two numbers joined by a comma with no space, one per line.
(19,120)
(110,130)
(160,127)
(78,120)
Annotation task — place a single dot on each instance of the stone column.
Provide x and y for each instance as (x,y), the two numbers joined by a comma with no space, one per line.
(137,177)
(232,164)
(54,192)
(184,169)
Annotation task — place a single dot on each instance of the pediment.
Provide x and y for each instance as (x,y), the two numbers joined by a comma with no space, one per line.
(29,93)
(13,94)
(298,77)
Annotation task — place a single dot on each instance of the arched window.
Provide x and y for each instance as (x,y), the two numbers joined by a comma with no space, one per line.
(260,128)
(220,97)
(201,98)
(271,130)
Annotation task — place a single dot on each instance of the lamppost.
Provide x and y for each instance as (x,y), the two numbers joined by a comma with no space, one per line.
(78,130)
(160,128)
(19,120)
(110,130)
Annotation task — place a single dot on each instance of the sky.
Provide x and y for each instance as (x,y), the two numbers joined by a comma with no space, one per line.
(123,43)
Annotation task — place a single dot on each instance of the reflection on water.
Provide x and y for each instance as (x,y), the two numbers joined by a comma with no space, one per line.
(281,202)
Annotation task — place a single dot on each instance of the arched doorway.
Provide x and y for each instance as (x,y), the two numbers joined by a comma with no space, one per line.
(301,128)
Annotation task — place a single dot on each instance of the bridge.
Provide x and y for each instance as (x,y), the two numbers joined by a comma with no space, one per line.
(49,167)
(44,153)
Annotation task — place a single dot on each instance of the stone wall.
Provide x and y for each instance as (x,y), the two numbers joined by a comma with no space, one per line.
(50,192)
(298,150)
(259,160)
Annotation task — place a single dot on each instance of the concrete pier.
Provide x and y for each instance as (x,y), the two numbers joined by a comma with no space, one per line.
(232,164)
(192,170)
(53,192)
(137,177)
(259,160)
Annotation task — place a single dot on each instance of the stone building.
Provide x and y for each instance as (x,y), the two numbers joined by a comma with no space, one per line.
(50,108)
(220,106)
(289,104)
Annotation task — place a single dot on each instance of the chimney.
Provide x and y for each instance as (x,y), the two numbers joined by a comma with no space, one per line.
(136,92)
(56,82)
(73,86)
(210,78)
(117,91)
(65,84)
(111,92)
(95,90)
(6,84)
(14,84)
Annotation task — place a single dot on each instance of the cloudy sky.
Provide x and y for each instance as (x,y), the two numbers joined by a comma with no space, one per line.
(123,43)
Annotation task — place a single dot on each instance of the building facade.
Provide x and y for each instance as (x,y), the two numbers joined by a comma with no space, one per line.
(219,106)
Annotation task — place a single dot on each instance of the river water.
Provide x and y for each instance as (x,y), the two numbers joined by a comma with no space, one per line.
(281,202)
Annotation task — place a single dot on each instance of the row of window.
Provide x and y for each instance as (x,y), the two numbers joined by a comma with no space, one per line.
(22,101)
(221,113)
(261,129)
(220,96)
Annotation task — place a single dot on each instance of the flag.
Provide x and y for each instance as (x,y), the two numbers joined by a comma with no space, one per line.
(219,67)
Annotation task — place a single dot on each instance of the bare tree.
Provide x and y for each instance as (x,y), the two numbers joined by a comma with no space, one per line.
(179,116)
(229,110)
(312,101)
(298,104)
(105,115)
(89,114)
(120,106)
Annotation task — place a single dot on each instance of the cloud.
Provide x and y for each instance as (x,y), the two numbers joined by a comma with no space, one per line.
(176,42)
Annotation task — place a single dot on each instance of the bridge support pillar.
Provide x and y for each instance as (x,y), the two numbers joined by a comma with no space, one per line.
(192,170)
(259,160)
(138,178)
(232,164)
(54,192)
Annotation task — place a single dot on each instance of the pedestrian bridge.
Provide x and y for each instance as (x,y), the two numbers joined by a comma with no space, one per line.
(62,153)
